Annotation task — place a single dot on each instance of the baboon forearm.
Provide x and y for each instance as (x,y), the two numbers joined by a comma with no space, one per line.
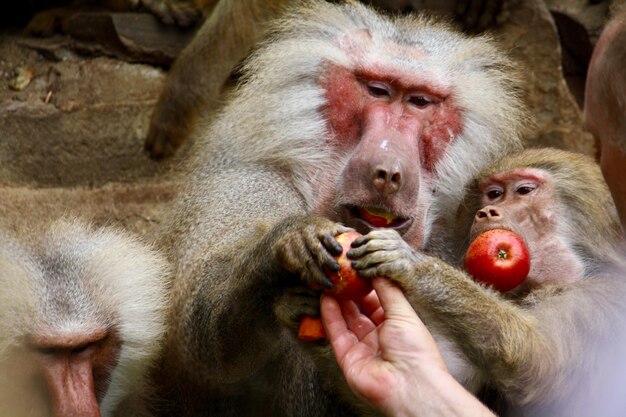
(229,33)
(496,335)
(227,275)
(231,321)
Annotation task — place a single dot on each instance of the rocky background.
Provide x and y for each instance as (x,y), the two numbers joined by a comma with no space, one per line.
(75,102)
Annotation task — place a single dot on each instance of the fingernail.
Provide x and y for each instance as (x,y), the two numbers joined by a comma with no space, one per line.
(357,242)
(328,283)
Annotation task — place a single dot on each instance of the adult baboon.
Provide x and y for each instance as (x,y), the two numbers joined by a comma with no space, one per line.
(343,117)
(81,320)
(202,73)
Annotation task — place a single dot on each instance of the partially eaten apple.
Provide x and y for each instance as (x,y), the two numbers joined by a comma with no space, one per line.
(347,285)
(376,217)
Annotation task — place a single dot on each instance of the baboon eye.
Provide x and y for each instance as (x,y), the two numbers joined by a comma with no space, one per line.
(494,193)
(525,189)
(421,100)
(377,89)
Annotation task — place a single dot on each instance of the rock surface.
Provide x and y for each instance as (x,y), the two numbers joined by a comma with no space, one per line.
(72,126)
(531,37)
(71,138)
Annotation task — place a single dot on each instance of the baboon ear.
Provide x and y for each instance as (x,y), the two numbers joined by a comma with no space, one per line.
(354,42)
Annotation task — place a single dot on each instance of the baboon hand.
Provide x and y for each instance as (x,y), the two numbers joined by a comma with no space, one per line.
(294,303)
(307,246)
(165,133)
(383,253)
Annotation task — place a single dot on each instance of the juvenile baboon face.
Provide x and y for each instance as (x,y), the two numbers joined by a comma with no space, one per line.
(524,201)
(557,201)
(520,200)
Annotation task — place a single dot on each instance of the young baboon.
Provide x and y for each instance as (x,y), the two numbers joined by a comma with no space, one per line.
(344,117)
(81,320)
(542,346)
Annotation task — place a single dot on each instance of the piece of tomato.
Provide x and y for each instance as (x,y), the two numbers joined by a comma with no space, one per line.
(311,329)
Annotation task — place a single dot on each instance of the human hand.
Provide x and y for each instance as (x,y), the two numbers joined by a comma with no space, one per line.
(390,359)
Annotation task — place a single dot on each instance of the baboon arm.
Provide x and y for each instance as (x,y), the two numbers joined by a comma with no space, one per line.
(231,320)
(497,335)
(227,276)
(197,78)
(532,350)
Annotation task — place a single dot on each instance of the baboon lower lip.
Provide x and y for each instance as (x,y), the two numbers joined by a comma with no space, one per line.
(365,219)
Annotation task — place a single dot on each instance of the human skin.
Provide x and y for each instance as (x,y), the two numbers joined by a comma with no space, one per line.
(390,359)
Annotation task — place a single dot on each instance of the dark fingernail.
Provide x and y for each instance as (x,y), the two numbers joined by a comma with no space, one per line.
(357,242)
(333,266)
(327,283)
(332,245)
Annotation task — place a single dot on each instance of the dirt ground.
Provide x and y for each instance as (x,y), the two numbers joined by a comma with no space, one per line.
(71,136)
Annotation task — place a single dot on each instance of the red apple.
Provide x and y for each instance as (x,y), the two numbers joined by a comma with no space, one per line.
(498,258)
(347,285)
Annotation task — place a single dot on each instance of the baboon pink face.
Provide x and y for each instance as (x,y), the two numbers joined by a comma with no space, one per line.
(520,200)
(76,367)
(524,200)
(394,126)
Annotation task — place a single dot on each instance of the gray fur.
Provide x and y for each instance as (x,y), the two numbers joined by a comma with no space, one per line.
(70,276)
(253,172)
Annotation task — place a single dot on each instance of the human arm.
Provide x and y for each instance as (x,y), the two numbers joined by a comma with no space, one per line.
(389,358)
